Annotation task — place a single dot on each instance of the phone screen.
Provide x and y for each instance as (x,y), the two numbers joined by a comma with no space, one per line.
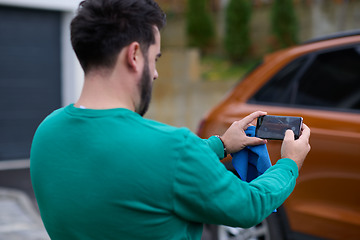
(274,127)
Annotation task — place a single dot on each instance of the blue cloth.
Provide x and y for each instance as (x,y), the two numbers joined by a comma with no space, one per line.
(252,161)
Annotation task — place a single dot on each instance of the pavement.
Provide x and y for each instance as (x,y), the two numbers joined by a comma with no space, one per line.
(19,219)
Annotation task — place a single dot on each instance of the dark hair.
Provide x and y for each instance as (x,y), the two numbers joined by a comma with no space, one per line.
(102,28)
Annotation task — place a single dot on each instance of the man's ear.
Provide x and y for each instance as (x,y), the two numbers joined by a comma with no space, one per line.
(133,55)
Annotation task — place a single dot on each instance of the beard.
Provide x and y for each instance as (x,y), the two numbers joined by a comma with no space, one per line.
(145,89)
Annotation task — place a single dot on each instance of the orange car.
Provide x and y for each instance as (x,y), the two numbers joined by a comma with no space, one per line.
(319,81)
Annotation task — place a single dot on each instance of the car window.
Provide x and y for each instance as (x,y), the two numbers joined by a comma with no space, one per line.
(328,79)
(280,88)
(332,80)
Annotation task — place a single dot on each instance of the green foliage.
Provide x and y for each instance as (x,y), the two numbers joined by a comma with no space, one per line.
(237,34)
(199,25)
(219,68)
(284,23)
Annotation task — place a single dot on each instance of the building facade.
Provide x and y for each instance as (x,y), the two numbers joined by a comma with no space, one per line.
(38,71)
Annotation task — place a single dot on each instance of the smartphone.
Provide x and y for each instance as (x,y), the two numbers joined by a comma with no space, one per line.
(274,127)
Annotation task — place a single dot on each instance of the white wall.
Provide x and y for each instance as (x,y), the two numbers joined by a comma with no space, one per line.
(72,75)
(61,5)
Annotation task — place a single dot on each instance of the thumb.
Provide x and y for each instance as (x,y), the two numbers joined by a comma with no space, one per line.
(254,141)
(289,135)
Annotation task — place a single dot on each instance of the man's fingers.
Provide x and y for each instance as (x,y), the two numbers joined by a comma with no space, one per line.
(254,141)
(305,133)
(289,135)
(250,118)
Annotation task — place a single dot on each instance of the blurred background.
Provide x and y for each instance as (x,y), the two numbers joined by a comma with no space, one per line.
(200,64)
(207,46)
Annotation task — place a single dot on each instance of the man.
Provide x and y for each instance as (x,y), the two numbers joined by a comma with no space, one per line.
(102,171)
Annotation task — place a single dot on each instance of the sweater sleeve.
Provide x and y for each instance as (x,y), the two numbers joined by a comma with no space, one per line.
(205,191)
(216,145)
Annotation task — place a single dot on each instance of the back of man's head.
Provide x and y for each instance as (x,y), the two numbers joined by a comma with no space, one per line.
(102,28)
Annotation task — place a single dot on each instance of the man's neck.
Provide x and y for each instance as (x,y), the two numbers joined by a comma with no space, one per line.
(101,92)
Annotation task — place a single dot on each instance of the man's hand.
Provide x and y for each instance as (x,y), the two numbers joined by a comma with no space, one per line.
(235,138)
(296,150)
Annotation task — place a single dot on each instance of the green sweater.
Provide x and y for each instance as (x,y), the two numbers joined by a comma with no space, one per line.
(111,174)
